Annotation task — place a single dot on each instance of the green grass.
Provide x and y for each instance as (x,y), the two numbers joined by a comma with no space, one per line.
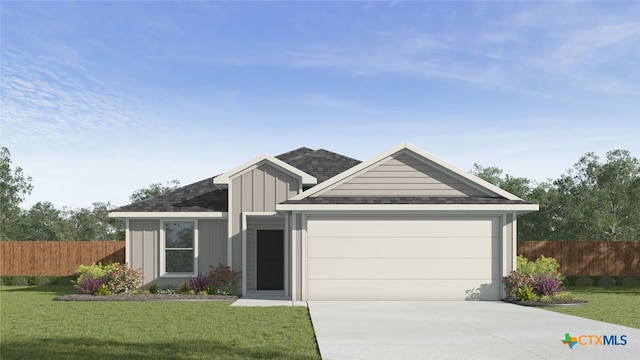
(33,326)
(617,304)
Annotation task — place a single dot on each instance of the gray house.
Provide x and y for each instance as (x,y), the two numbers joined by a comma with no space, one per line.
(316,225)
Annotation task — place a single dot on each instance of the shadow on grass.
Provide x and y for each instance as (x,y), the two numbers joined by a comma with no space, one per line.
(51,289)
(92,348)
(625,290)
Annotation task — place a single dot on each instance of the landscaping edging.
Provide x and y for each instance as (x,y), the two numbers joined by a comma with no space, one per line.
(544,304)
(145,297)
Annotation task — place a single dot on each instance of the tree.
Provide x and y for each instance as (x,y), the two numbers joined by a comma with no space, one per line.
(44,222)
(154,190)
(518,186)
(600,201)
(95,223)
(14,186)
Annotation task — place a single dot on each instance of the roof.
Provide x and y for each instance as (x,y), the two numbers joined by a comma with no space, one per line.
(321,164)
(204,196)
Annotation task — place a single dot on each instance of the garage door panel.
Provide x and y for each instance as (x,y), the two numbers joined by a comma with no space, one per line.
(403,289)
(401,269)
(406,227)
(388,247)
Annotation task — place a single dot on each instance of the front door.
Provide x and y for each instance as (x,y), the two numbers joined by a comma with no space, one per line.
(270,254)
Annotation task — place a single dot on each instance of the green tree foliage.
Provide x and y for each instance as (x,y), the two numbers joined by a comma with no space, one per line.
(593,201)
(14,186)
(154,190)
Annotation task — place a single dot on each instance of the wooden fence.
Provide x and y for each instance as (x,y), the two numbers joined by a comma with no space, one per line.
(587,258)
(55,258)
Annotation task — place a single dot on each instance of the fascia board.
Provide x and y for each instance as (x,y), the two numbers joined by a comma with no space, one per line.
(520,208)
(168,215)
(348,173)
(223,179)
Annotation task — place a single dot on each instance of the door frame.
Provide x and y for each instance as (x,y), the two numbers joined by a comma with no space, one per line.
(287,244)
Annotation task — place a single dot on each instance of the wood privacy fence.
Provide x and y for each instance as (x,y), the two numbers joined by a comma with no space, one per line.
(55,258)
(587,258)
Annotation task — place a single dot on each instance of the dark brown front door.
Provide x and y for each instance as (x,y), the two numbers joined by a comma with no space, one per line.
(270,254)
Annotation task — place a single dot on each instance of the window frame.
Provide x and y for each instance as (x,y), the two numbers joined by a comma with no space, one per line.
(163,250)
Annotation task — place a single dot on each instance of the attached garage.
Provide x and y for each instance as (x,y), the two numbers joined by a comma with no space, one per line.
(391,257)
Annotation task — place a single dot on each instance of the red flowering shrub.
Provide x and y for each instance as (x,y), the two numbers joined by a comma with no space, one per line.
(225,280)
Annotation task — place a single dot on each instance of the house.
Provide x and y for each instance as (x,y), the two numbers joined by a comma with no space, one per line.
(316,225)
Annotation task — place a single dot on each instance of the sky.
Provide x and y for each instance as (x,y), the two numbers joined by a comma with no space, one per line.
(99,99)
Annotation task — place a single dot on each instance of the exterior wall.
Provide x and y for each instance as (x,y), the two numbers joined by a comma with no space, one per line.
(257,190)
(403,175)
(254,224)
(297,262)
(145,248)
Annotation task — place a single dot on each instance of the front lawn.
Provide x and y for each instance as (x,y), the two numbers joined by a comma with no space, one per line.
(33,326)
(617,304)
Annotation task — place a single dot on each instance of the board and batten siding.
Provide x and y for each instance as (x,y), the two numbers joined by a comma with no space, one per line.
(257,190)
(254,224)
(144,238)
(145,248)
(403,175)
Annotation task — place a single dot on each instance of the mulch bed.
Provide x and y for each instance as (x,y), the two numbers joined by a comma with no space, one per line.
(549,304)
(145,297)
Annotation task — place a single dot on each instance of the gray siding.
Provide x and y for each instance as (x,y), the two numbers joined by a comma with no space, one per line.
(145,247)
(212,244)
(257,190)
(404,175)
(254,224)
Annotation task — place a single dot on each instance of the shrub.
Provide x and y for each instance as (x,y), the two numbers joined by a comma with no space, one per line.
(630,281)
(526,293)
(167,290)
(91,285)
(563,296)
(153,289)
(547,285)
(124,280)
(19,281)
(516,282)
(541,266)
(584,281)
(607,281)
(211,290)
(94,270)
(199,283)
(184,289)
(41,281)
(225,280)
(104,290)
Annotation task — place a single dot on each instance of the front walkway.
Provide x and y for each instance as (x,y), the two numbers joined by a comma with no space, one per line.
(267,298)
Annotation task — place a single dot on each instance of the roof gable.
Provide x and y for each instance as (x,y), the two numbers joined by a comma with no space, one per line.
(322,164)
(405,170)
(222,180)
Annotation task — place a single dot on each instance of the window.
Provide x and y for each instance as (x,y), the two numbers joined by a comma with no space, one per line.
(179,247)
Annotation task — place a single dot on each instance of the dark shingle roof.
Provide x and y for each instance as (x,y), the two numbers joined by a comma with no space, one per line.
(403,200)
(201,196)
(321,164)
(204,196)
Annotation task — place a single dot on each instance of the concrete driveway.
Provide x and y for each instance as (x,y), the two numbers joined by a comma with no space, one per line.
(459,330)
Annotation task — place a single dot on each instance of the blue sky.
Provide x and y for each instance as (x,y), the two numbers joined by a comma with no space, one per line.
(100,99)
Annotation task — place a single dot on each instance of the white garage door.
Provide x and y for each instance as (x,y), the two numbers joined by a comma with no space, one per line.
(402,258)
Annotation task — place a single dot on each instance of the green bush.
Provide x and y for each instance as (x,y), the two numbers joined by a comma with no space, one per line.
(184,289)
(630,281)
(526,293)
(153,289)
(165,290)
(19,281)
(584,281)
(96,271)
(104,290)
(607,281)
(41,281)
(541,266)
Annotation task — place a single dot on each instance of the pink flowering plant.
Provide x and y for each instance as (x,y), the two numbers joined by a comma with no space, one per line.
(225,280)
(533,279)
(124,280)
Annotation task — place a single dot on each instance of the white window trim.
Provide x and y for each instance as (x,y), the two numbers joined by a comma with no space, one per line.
(163,253)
